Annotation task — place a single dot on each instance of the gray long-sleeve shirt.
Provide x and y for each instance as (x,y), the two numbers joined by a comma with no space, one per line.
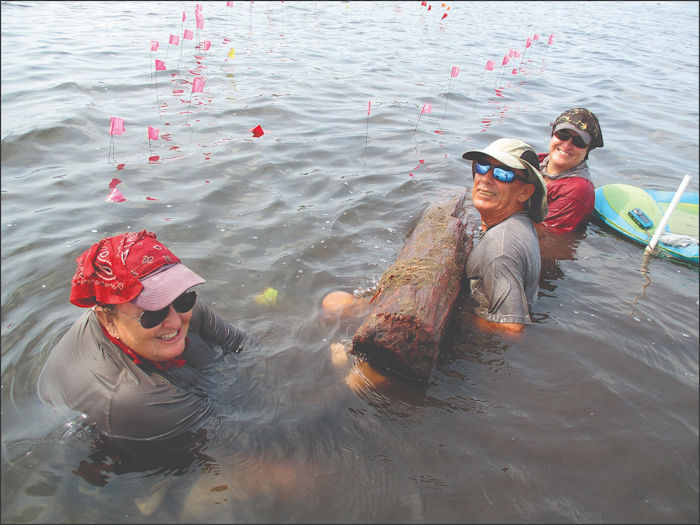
(88,373)
(503,270)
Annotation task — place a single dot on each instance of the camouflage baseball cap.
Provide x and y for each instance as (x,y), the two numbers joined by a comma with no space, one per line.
(584,123)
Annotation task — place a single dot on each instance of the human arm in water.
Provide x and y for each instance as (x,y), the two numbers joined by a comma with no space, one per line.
(215,330)
(511,331)
(343,305)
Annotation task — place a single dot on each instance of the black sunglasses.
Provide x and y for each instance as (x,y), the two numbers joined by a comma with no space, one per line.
(565,135)
(150,319)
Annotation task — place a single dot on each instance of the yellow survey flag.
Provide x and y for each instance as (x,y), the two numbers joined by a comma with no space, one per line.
(269,296)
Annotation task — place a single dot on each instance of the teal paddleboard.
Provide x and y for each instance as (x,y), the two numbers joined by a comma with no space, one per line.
(635,212)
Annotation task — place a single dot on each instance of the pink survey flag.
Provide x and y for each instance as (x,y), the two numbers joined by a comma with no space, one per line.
(200,21)
(427,108)
(516,54)
(514,72)
(551,39)
(153,133)
(257,131)
(535,37)
(154,45)
(229,4)
(444,16)
(116,126)
(184,17)
(197,85)
(454,72)
(174,40)
(511,53)
(369,106)
(505,60)
(198,8)
(115,196)
(188,34)
(528,42)
(207,45)
(160,65)
(490,64)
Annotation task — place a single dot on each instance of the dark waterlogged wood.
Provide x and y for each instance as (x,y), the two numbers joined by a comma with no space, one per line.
(416,295)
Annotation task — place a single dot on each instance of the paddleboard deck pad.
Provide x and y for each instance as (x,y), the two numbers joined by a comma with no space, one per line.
(635,213)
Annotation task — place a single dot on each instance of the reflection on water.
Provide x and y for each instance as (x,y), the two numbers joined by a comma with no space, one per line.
(555,248)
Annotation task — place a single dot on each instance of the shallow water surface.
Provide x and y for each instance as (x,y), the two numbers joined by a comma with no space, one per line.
(591,417)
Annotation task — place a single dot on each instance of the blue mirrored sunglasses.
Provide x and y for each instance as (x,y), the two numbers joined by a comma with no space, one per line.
(499,173)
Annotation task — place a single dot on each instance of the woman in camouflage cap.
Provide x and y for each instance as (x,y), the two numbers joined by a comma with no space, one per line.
(570,192)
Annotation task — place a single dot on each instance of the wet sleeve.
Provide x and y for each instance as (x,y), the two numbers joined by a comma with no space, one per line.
(504,289)
(212,328)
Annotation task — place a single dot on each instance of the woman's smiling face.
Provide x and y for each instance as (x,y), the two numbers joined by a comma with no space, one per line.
(563,155)
(161,343)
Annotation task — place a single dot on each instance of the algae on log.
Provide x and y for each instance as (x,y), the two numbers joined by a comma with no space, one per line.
(416,295)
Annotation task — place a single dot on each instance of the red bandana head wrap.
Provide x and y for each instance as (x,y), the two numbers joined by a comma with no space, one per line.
(109,272)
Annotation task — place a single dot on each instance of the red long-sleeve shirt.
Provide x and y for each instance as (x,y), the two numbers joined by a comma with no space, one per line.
(570,201)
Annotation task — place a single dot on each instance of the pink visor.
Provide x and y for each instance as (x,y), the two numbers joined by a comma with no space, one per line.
(162,287)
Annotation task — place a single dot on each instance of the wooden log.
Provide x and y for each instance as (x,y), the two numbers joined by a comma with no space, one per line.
(416,295)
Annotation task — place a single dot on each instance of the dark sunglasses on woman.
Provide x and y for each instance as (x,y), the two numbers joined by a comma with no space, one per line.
(565,135)
(152,318)
(184,303)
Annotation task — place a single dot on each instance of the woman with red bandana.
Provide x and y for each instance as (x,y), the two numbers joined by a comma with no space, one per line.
(130,362)
(570,192)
